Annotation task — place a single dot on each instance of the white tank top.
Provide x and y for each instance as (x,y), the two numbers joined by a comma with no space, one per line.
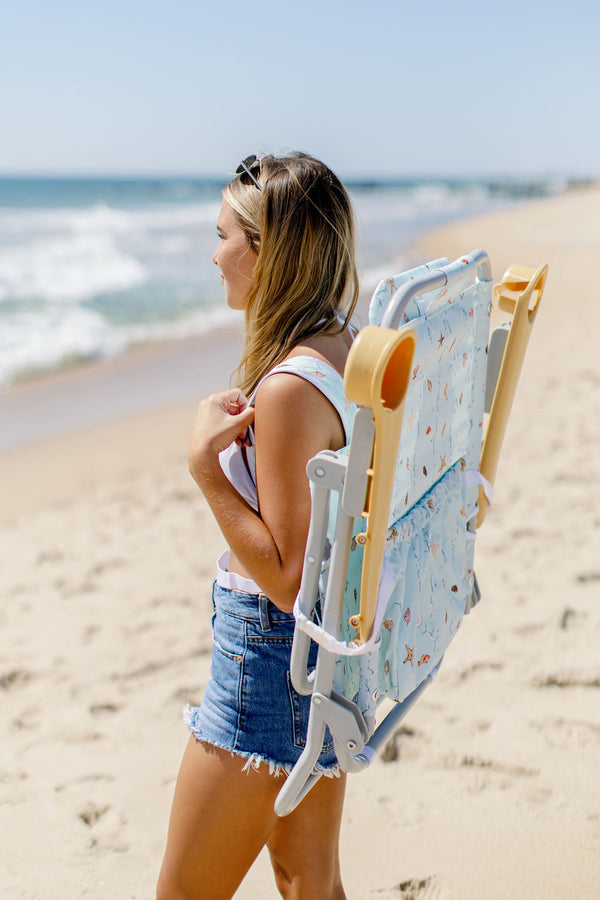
(238,463)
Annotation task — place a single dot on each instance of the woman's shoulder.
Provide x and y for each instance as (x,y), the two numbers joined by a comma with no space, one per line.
(290,412)
(282,392)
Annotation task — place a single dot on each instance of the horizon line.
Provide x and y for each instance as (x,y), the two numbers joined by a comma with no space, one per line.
(366,177)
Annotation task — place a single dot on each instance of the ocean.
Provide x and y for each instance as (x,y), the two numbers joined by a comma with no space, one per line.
(90,267)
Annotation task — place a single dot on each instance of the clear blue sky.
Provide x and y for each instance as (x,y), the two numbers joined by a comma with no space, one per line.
(373,87)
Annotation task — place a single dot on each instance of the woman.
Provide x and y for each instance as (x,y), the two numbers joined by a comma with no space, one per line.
(286,257)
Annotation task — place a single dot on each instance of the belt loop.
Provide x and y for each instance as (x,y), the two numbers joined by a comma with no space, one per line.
(263,612)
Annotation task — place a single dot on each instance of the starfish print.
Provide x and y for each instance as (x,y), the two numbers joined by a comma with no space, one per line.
(442,464)
(388,623)
(410,421)
(409,654)
(441,339)
(434,547)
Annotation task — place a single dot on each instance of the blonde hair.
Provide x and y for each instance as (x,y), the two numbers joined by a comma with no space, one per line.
(301,227)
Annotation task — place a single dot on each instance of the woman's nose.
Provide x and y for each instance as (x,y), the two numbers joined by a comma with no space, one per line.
(214,257)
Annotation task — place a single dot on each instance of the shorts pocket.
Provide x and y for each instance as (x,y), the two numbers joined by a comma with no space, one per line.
(227,638)
(236,657)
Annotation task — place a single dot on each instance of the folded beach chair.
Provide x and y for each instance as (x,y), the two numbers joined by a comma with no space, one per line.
(388,572)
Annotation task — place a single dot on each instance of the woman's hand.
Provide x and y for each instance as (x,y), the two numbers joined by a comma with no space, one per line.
(221,419)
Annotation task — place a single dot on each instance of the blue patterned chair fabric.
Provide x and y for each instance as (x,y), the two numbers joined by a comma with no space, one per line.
(428,561)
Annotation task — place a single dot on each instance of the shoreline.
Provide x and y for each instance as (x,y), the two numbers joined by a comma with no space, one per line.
(169,372)
(143,378)
(106,579)
(152,374)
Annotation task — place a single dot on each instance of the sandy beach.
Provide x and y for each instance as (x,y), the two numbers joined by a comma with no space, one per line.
(108,555)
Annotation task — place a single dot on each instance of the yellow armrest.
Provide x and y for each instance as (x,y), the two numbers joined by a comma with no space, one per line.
(376,376)
(519,293)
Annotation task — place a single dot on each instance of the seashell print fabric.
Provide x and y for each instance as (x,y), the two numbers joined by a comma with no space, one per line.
(428,558)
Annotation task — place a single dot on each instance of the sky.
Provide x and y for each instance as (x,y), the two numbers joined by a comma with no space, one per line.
(375,88)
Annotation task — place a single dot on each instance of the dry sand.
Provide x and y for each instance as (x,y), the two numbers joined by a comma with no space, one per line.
(107,559)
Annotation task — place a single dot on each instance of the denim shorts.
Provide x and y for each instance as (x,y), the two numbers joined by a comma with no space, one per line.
(250,706)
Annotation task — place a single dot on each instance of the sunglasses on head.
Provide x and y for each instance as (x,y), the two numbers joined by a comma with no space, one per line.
(246,165)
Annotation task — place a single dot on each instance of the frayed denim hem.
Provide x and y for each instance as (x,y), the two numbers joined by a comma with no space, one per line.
(254,760)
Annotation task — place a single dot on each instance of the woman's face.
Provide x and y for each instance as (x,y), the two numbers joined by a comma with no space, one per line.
(234,257)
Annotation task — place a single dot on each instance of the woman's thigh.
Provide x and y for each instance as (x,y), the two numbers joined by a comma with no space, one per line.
(220,819)
(304,845)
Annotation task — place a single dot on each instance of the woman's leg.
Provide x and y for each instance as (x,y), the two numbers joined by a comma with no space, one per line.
(304,846)
(220,819)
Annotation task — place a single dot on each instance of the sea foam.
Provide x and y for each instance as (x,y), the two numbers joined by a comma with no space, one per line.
(89,267)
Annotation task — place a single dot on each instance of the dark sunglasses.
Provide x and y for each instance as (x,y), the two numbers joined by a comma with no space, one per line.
(246,165)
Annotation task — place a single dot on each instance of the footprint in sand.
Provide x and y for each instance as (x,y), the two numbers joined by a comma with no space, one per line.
(588,577)
(105,566)
(420,889)
(93,813)
(566,617)
(566,681)
(391,751)
(14,679)
(412,889)
(108,834)
(478,666)
(495,766)
(93,778)
(49,556)
(99,709)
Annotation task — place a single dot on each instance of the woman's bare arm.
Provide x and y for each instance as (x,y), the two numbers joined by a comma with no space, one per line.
(293,421)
